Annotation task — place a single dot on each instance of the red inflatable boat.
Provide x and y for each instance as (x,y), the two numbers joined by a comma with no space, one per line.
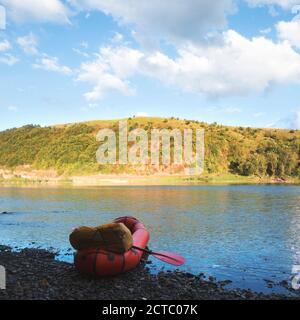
(99,262)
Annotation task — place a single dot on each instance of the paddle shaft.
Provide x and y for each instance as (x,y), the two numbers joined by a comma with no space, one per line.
(144,250)
(154,253)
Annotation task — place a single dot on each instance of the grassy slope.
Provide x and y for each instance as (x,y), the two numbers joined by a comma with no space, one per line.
(231,153)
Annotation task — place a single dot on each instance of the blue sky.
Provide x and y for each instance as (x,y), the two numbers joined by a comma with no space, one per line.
(233,62)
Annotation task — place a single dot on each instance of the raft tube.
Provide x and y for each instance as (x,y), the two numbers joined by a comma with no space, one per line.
(99,262)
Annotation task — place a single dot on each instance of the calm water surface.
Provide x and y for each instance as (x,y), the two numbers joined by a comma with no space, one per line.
(242,233)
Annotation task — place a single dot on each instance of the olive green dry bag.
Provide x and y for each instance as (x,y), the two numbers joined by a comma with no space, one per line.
(115,237)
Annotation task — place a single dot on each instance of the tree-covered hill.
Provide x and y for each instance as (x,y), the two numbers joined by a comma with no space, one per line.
(70,149)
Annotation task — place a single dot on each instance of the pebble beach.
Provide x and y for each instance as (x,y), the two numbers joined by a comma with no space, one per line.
(35,274)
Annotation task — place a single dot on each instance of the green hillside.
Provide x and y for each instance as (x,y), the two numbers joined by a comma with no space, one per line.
(70,149)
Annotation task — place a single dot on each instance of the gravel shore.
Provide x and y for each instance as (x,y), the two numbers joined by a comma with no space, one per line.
(35,274)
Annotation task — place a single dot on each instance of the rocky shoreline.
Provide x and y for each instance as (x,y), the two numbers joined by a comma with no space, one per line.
(35,274)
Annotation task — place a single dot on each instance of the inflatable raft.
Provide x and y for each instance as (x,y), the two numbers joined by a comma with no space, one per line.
(99,262)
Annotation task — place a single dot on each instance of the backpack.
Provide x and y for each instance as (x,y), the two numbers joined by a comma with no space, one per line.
(115,237)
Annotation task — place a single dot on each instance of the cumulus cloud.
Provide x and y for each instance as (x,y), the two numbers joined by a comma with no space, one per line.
(8,59)
(234,66)
(36,10)
(28,43)
(289,31)
(229,64)
(4,45)
(109,72)
(52,64)
(169,20)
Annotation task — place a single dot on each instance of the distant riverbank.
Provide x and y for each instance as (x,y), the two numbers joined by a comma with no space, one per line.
(140,180)
(34,274)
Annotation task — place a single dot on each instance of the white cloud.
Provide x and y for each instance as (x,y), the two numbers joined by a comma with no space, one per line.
(109,72)
(265,31)
(170,20)
(237,66)
(8,59)
(52,64)
(289,31)
(141,114)
(285,4)
(234,66)
(4,45)
(103,81)
(240,65)
(28,43)
(36,10)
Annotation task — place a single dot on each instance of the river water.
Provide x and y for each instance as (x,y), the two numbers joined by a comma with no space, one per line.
(244,233)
